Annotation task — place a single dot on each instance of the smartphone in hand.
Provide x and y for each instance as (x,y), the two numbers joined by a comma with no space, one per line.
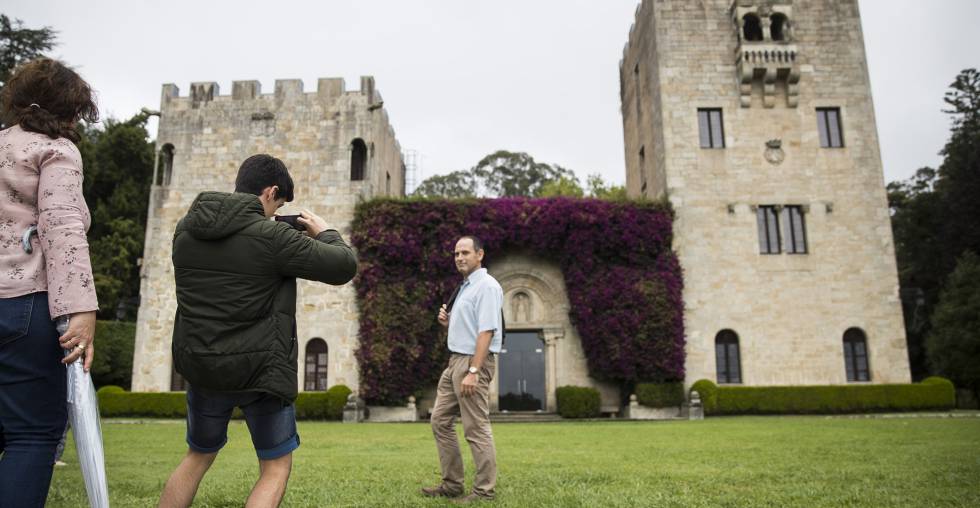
(292,221)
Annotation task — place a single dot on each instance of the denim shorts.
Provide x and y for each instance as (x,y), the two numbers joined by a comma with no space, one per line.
(271,422)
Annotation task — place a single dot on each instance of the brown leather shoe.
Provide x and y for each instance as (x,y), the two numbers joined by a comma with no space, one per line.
(472,498)
(441,491)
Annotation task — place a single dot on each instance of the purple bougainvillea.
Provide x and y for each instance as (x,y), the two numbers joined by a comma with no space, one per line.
(624,282)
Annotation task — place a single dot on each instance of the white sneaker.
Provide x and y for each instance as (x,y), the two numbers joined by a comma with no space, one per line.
(59,463)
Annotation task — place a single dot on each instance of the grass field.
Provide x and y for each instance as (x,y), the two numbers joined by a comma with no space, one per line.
(747,461)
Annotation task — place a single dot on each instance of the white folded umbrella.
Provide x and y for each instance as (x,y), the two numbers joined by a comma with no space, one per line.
(83,413)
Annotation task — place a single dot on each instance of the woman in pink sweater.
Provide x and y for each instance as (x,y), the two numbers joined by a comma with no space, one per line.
(44,276)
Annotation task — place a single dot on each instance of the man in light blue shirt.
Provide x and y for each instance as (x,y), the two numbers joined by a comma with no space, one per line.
(475,323)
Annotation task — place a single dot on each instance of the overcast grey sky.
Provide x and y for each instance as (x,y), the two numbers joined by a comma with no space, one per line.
(461,79)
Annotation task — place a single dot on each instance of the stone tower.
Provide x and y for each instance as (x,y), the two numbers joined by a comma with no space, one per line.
(754,119)
(339,148)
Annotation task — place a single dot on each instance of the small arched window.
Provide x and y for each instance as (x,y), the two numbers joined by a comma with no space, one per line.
(856,355)
(778,26)
(316,366)
(751,28)
(358,157)
(165,171)
(727,358)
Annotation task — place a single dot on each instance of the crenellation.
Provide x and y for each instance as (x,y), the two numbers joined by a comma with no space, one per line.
(330,88)
(245,90)
(288,88)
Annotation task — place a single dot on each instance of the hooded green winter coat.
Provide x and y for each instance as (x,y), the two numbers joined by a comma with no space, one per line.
(235,273)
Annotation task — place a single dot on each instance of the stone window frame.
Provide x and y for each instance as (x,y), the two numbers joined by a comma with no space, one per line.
(827,119)
(315,371)
(728,357)
(856,364)
(711,128)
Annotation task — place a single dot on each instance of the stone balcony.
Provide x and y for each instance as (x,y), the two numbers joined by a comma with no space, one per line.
(769,62)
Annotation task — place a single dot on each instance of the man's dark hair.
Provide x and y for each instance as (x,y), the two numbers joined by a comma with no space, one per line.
(261,171)
(477,244)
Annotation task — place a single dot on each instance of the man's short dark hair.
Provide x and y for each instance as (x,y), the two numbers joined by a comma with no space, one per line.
(261,171)
(477,244)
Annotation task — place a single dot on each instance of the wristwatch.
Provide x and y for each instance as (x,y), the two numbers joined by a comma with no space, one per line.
(473,370)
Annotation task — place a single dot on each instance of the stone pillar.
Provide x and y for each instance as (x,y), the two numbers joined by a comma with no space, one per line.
(551,337)
(354,409)
(696,410)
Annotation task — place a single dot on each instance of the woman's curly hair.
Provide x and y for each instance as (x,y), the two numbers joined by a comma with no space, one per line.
(47,97)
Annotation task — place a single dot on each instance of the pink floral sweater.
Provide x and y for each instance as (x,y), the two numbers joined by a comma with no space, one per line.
(41,183)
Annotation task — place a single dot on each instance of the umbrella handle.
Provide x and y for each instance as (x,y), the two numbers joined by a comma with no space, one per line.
(26,239)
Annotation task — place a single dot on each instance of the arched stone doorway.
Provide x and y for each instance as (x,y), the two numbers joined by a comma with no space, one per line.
(542,347)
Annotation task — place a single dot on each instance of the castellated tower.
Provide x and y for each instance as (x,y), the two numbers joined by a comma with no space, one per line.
(754,119)
(339,148)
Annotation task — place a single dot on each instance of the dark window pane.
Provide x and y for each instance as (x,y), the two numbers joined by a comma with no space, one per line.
(733,361)
(704,128)
(822,128)
(717,138)
(760,219)
(772,228)
(721,370)
(833,121)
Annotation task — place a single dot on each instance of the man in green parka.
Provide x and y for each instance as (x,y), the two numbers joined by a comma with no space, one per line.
(235,330)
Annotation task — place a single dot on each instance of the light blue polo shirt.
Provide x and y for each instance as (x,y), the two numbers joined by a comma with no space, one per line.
(477,309)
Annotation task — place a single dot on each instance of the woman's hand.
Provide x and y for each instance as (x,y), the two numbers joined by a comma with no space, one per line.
(79,337)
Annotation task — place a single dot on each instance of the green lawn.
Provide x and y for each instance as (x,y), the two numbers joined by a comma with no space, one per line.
(746,461)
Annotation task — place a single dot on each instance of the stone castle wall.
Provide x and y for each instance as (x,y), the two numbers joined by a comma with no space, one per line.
(209,135)
(789,310)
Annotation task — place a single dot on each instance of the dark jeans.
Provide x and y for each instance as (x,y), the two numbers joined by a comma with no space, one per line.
(33,410)
(271,422)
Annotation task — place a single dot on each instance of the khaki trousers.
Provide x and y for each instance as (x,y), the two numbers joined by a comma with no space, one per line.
(474,410)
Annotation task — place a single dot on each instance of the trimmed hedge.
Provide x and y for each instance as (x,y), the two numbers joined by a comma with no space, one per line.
(624,282)
(115,401)
(932,393)
(660,394)
(327,405)
(578,402)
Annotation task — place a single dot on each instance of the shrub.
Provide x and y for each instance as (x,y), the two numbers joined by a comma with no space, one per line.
(934,393)
(328,405)
(336,399)
(617,253)
(113,401)
(578,402)
(708,391)
(660,394)
(113,364)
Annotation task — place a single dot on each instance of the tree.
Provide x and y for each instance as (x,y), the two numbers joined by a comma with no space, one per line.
(19,44)
(954,343)
(934,217)
(959,174)
(599,189)
(458,184)
(563,186)
(504,173)
(499,174)
(118,162)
